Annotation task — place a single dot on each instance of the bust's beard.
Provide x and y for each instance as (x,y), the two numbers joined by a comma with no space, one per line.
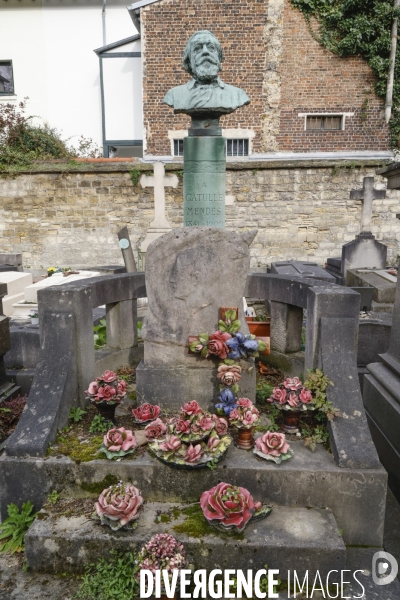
(206,72)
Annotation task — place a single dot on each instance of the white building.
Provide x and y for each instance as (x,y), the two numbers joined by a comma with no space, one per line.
(79,63)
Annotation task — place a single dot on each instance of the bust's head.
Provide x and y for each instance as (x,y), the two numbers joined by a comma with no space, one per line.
(203,56)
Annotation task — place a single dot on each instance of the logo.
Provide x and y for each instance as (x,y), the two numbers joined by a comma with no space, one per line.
(384,568)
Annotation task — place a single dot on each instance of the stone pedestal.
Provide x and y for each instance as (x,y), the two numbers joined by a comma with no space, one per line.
(286,326)
(204,180)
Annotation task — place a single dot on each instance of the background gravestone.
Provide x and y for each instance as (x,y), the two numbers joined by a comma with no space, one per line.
(190,274)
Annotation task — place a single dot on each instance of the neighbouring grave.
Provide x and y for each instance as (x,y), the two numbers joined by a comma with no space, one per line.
(365,251)
(16,284)
(383,283)
(381,393)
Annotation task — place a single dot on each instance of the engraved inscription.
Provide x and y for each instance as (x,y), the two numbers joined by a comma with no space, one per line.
(204,198)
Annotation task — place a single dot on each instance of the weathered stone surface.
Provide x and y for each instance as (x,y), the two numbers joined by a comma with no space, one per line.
(286,327)
(364,251)
(309,539)
(373,337)
(190,274)
(296,268)
(308,479)
(384,289)
(171,387)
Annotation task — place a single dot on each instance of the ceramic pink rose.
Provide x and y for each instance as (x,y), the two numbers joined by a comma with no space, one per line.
(306,396)
(155,430)
(294,400)
(92,389)
(229,374)
(193,453)
(118,505)
(220,425)
(245,402)
(249,418)
(279,395)
(227,505)
(292,384)
(171,442)
(272,443)
(121,388)
(205,423)
(146,412)
(191,408)
(213,443)
(107,393)
(182,426)
(108,377)
(217,344)
(119,439)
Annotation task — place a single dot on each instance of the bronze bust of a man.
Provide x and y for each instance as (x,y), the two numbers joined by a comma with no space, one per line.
(205,93)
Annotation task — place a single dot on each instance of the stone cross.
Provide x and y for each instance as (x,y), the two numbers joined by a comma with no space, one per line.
(159,181)
(367,194)
(126,249)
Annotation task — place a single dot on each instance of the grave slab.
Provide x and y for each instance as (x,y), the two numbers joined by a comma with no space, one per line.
(383,283)
(32,290)
(16,282)
(10,301)
(298,268)
(309,539)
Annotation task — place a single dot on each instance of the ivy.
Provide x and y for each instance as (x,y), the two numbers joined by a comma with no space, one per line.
(359,28)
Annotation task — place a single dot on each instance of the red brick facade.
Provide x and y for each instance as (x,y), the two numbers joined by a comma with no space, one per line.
(312,79)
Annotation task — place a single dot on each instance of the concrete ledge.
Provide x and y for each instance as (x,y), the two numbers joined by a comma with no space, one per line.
(355,496)
(308,539)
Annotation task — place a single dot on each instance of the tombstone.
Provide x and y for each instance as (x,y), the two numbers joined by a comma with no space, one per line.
(365,250)
(7,389)
(191,273)
(159,181)
(126,249)
(381,395)
(11,262)
(297,268)
(382,283)
(16,283)
(392,174)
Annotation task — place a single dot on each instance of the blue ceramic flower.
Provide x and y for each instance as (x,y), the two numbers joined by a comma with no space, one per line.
(226,401)
(241,346)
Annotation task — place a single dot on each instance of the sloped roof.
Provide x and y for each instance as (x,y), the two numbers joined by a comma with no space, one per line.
(132,38)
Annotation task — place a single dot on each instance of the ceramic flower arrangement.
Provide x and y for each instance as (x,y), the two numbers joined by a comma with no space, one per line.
(119,505)
(146,413)
(107,388)
(292,395)
(118,442)
(229,507)
(194,438)
(162,553)
(245,415)
(273,446)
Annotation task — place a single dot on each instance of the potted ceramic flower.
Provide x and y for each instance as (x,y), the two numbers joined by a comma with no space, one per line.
(34,317)
(273,446)
(106,393)
(119,505)
(244,418)
(292,398)
(118,442)
(162,553)
(145,413)
(230,507)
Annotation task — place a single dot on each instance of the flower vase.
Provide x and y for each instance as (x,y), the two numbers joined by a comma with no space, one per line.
(291,421)
(107,410)
(245,440)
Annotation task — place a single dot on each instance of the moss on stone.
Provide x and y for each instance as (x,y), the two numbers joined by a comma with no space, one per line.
(98,486)
(195,525)
(71,446)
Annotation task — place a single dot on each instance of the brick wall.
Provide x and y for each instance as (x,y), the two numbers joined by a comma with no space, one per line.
(315,80)
(72,219)
(271,54)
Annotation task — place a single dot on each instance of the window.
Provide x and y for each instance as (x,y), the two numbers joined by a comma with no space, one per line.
(178,147)
(237,147)
(324,122)
(6,78)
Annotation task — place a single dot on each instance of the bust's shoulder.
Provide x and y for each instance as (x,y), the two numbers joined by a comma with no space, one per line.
(174,93)
(236,92)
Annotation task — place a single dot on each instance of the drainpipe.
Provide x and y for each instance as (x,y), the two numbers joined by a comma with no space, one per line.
(389,89)
(103,18)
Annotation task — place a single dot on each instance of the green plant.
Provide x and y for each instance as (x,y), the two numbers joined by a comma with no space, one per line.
(99,425)
(13,529)
(263,391)
(135,176)
(317,383)
(100,334)
(76,414)
(179,174)
(312,437)
(110,580)
(263,584)
(53,497)
(359,28)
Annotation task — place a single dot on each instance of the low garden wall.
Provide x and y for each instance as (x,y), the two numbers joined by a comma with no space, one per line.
(69,214)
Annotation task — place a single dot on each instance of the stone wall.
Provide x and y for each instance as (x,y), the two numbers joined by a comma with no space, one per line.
(270,53)
(301,210)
